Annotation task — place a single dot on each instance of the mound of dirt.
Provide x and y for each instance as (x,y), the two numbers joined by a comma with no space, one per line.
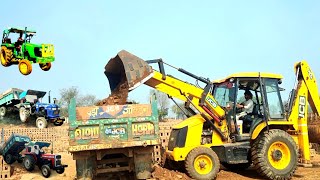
(118,96)
(163,173)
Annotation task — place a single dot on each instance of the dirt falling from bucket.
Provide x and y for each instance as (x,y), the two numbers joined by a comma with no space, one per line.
(118,96)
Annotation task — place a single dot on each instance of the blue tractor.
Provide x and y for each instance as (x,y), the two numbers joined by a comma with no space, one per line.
(31,105)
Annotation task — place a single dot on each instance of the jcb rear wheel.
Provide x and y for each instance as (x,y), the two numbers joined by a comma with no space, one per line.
(202,163)
(275,155)
(6,56)
(45,66)
(25,67)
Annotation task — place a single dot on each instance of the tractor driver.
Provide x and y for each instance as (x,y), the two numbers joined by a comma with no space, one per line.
(247,105)
(19,43)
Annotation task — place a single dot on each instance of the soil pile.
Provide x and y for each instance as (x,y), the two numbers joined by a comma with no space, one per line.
(118,96)
(163,173)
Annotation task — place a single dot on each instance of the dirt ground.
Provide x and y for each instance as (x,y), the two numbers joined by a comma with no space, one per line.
(159,173)
(164,174)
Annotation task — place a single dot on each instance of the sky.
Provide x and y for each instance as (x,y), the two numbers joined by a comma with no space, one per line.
(209,38)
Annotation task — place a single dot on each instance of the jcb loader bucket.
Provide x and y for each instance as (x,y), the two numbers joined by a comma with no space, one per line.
(127,70)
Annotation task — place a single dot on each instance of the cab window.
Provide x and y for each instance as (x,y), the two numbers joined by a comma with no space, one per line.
(274,99)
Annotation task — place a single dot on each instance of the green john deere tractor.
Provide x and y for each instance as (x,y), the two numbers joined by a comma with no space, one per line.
(23,52)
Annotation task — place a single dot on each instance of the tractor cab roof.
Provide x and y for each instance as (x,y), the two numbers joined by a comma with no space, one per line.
(19,30)
(250,75)
(39,94)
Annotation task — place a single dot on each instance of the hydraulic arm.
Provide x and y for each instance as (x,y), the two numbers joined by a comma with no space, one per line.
(130,69)
(304,92)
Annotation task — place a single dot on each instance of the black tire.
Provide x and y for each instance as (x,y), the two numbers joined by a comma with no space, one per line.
(205,156)
(6,56)
(9,159)
(41,123)
(236,167)
(275,155)
(45,66)
(3,111)
(29,163)
(60,171)
(46,171)
(58,123)
(24,114)
(20,160)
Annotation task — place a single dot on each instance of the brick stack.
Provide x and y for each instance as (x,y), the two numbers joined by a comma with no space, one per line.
(5,170)
(57,135)
(164,131)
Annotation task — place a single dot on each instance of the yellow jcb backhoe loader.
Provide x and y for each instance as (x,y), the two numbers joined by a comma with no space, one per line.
(272,138)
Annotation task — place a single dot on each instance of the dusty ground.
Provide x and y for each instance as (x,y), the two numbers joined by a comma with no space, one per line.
(159,173)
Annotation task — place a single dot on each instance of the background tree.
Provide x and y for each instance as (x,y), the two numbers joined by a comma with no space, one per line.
(178,112)
(163,103)
(67,94)
(86,100)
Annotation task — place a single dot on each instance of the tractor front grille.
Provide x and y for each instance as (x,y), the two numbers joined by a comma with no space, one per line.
(58,160)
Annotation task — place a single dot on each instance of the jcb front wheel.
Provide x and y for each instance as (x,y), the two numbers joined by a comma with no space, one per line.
(25,67)
(45,66)
(275,155)
(202,163)
(6,56)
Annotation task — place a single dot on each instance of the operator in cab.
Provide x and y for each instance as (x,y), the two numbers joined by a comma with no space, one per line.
(19,43)
(246,106)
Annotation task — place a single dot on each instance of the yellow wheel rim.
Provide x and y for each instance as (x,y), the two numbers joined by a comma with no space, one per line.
(203,164)
(279,155)
(23,68)
(3,61)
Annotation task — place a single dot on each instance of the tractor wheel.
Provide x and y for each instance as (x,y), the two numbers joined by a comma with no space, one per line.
(45,66)
(202,163)
(25,67)
(6,56)
(20,160)
(9,159)
(29,163)
(45,170)
(275,155)
(3,111)
(58,123)
(236,167)
(41,123)
(24,114)
(60,171)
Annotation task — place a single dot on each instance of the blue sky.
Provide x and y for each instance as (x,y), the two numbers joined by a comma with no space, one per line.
(209,38)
